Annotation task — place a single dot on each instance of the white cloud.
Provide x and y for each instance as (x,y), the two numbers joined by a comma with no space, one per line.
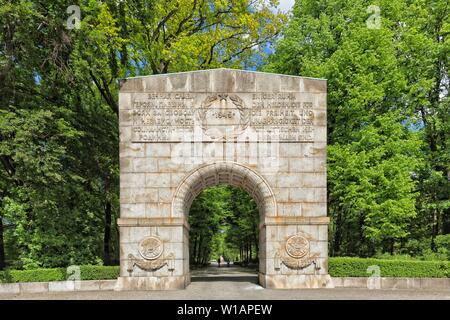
(283,6)
(286,5)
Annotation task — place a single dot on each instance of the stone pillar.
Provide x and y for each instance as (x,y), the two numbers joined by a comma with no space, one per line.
(297,250)
(153,254)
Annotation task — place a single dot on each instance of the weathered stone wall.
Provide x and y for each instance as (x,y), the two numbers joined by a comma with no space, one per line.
(183,132)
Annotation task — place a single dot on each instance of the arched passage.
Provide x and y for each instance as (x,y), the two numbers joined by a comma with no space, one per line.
(230,173)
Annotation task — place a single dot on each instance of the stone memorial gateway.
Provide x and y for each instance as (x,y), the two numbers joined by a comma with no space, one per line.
(183,132)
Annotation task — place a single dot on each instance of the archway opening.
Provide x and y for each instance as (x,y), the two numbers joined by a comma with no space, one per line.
(233,174)
(224,237)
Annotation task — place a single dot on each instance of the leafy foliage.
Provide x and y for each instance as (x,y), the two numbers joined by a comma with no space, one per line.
(59,166)
(388,117)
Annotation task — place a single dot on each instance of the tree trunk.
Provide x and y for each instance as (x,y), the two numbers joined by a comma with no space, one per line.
(107,227)
(434,230)
(2,247)
(256,244)
(205,256)
(107,235)
(199,251)
(194,251)
(446,222)
(337,235)
(246,252)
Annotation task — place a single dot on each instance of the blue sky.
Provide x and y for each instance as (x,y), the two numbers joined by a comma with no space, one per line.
(284,6)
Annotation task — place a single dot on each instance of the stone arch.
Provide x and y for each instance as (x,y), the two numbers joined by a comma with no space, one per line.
(231,173)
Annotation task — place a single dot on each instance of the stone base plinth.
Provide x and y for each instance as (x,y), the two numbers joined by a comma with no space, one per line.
(295,281)
(152,283)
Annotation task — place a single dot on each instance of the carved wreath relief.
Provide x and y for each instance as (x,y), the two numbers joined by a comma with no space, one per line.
(223,116)
(151,250)
(296,254)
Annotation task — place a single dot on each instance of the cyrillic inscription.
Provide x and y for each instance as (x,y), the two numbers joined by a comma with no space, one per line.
(176,117)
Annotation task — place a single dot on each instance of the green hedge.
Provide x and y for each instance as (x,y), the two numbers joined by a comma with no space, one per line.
(337,266)
(357,267)
(99,272)
(59,274)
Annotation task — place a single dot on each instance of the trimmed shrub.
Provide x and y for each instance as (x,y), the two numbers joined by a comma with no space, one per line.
(357,267)
(35,275)
(99,272)
(59,274)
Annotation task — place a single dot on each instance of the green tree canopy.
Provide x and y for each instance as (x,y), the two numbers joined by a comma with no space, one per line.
(59,182)
(388,115)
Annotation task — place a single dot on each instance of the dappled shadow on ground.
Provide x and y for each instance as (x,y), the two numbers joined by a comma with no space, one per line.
(215,270)
(224,273)
(249,279)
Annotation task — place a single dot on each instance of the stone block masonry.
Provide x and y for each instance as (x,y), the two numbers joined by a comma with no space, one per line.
(183,132)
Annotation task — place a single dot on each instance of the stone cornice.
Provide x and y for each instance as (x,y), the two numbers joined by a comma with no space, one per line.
(151,222)
(289,220)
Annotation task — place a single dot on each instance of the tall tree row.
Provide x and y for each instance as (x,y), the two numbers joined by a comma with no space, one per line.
(59,182)
(387,67)
(223,222)
(388,116)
